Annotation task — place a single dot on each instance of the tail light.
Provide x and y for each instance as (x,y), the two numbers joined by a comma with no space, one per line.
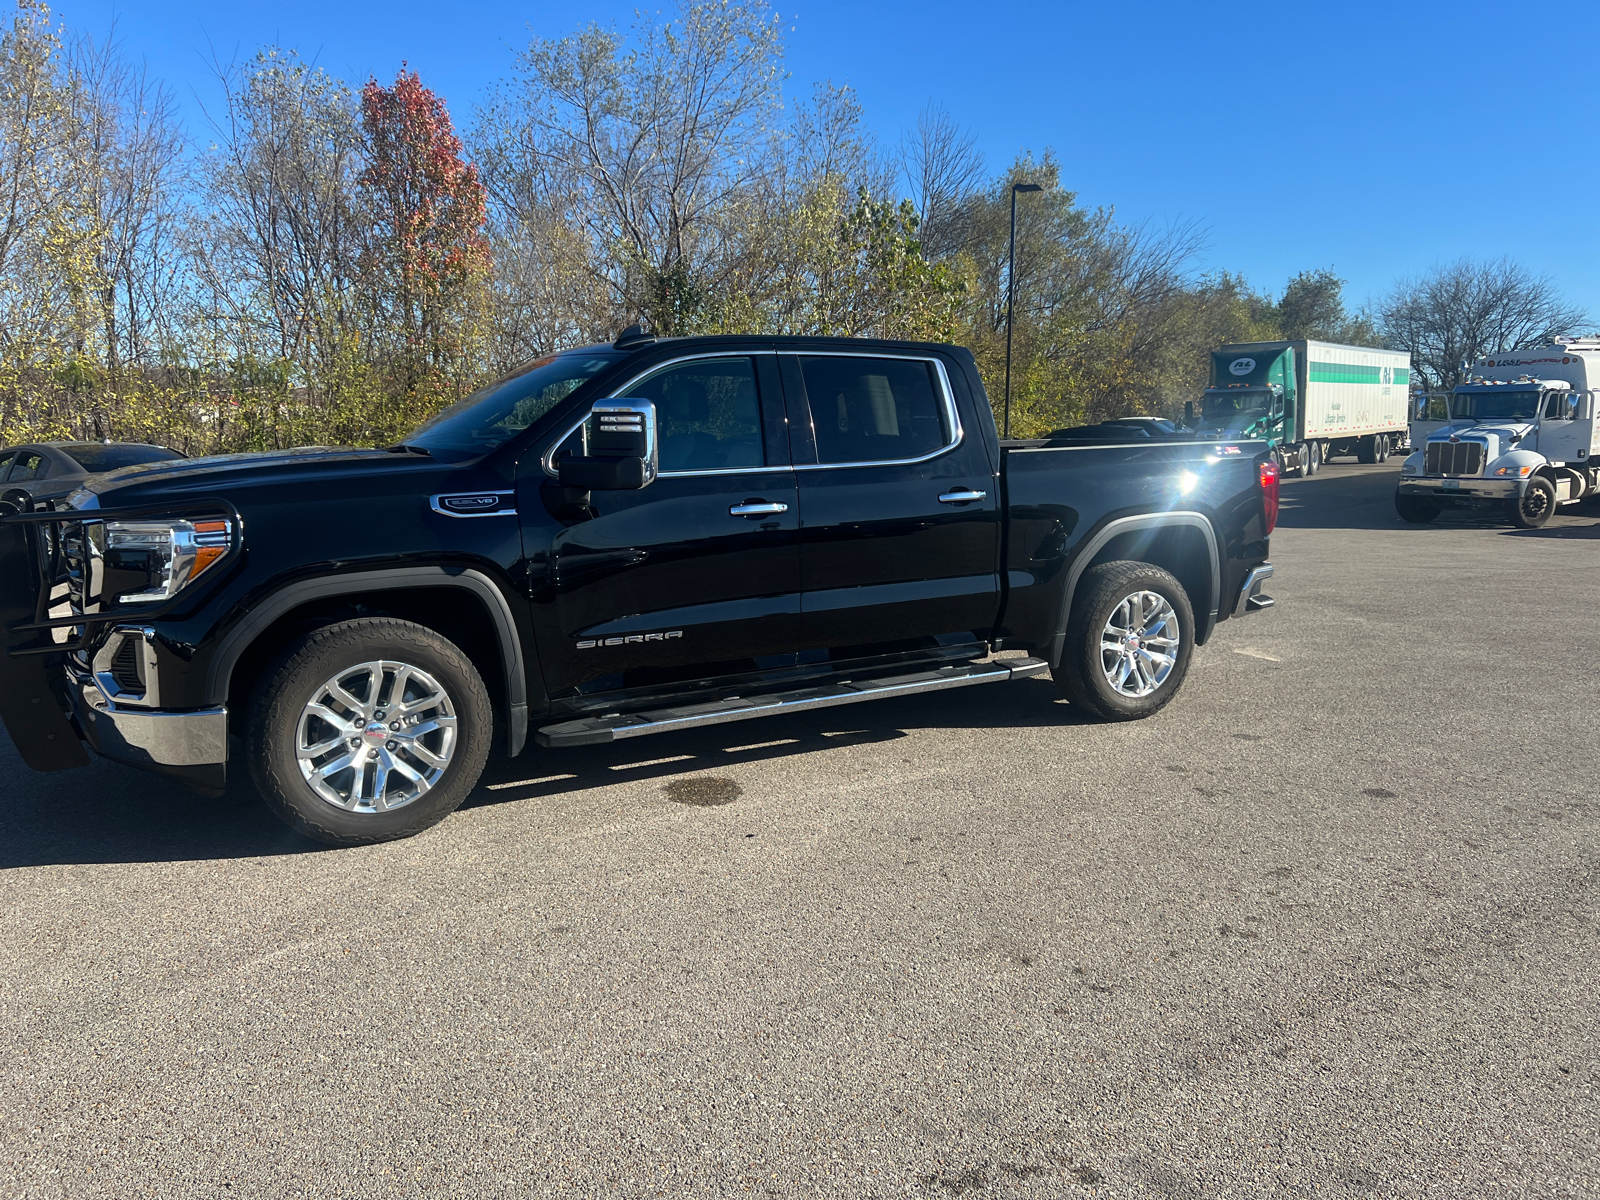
(1269,493)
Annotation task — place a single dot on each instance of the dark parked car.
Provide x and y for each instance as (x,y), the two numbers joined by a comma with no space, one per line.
(612,542)
(53,470)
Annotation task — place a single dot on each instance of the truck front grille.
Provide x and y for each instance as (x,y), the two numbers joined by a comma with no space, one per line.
(1454,458)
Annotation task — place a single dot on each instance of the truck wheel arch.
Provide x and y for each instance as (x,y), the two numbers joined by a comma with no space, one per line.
(279,604)
(1093,552)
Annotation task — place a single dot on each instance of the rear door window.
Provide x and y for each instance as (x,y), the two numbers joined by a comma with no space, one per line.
(866,410)
(30,464)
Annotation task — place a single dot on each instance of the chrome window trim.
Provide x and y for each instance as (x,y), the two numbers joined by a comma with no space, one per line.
(951,410)
(1145,445)
(621,393)
(434,503)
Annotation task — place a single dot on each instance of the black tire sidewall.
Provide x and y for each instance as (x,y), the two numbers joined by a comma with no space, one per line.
(1101,590)
(1520,518)
(310,662)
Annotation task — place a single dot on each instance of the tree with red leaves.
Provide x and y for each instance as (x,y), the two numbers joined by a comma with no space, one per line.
(428,209)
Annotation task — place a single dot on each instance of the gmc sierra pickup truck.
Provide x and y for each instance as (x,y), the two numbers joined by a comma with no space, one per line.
(609,542)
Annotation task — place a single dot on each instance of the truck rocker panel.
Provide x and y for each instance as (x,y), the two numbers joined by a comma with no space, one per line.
(612,541)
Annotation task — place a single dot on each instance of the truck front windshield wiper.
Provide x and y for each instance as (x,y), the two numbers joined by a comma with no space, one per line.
(404,448)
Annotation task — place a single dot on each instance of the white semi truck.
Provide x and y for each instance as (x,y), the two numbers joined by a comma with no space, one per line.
(1520,438)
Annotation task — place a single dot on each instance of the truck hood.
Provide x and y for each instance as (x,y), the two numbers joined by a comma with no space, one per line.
(225,473)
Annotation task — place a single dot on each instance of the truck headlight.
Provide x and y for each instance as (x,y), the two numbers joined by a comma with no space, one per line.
(154,560)
(1514,471)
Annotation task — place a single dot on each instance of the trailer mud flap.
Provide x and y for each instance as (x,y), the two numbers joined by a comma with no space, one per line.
(28,705)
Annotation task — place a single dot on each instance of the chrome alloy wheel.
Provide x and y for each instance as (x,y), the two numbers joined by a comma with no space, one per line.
(1139,645)
(376,736)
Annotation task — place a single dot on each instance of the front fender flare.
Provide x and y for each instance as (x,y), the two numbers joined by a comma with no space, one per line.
(261,616)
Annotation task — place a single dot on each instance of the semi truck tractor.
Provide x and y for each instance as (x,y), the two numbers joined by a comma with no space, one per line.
(1519,438)
(1309,400)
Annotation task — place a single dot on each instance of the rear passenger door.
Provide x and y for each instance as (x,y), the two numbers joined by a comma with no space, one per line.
(899,506)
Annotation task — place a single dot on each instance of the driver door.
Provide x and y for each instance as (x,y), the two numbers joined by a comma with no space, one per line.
(695,575)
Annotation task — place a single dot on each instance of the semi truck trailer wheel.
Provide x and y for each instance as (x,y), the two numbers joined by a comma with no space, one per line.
(1380,448)
(1367,449)
(1535,506)
(1128,641)
(368,730)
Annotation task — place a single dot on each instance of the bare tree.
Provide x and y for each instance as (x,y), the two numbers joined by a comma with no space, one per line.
(130,146)
(40,191)
(1460,312)
(942,167)
(279,251)
(647,150)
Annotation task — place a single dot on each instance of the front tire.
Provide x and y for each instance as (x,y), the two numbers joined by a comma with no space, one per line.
(367,731)
(1534,507)
(1129,641)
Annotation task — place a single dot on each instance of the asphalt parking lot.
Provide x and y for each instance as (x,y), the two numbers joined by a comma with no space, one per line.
(1325,926)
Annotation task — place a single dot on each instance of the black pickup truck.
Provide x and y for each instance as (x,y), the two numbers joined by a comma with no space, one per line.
(612,541)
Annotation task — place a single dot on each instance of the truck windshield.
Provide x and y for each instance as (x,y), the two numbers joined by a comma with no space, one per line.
(494,414)
(1234,408)
(1502,404)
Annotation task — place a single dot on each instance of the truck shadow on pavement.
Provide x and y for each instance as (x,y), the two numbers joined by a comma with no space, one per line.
(1025,704)
(1590,532)
(105,813)
(1362,497)
(1341,496)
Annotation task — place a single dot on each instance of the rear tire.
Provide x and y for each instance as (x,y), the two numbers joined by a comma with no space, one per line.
(1381,448)
(1129,641)
(1367,450)
(367,731)
(1310,460)
(1415,510)
(1534,507)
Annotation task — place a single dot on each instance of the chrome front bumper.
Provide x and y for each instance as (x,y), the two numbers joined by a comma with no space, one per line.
(189,746)
(1435,487)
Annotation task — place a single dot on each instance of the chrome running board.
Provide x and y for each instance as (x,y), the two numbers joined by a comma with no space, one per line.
(589,731)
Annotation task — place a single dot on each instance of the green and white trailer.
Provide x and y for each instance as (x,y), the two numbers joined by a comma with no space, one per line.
(1309,400)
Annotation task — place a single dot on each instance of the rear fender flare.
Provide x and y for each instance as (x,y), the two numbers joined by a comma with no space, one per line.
(292,596)
(1122,525)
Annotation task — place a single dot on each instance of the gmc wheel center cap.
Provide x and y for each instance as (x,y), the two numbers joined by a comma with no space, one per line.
(376,733)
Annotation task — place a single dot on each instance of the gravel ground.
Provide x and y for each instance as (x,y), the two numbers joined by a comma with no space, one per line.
(1326,926)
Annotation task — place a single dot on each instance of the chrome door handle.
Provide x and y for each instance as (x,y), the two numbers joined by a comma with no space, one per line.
(756,510)
(961,496)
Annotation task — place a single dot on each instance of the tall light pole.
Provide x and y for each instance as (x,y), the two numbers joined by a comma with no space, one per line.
(1011,288)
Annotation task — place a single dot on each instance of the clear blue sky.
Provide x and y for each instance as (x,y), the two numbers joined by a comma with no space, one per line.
(1376,139)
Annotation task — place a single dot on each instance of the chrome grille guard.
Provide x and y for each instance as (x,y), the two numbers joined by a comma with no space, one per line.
(50,568)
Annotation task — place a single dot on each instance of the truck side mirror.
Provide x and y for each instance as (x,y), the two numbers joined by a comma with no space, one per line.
(1188,413)
(621,449)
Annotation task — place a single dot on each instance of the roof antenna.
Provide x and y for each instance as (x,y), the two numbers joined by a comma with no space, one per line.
(633,335)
